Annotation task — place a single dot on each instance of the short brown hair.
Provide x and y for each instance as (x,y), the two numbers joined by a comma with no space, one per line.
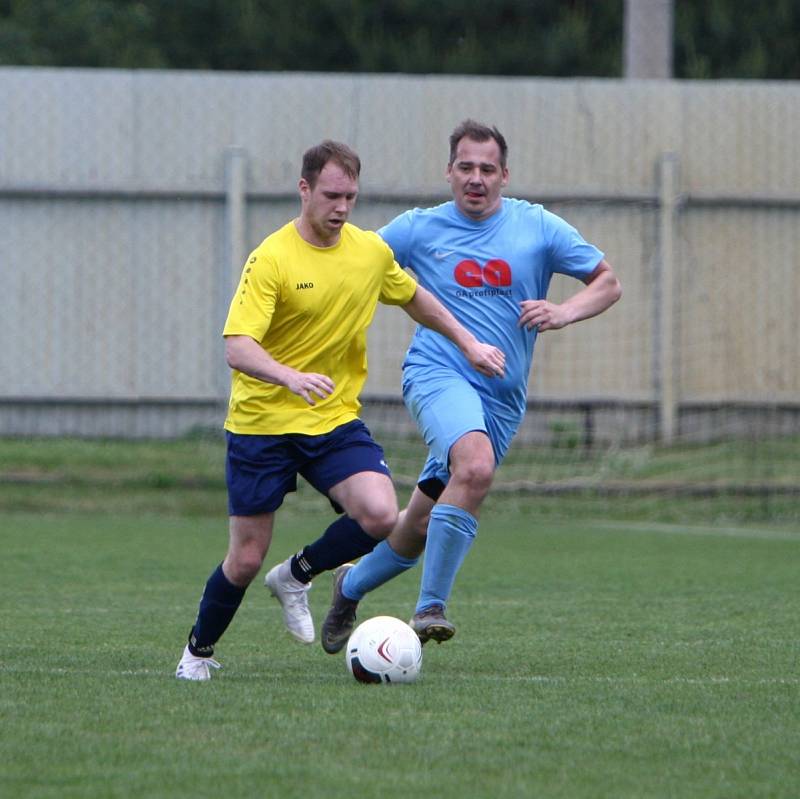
(476,131)
(315,158)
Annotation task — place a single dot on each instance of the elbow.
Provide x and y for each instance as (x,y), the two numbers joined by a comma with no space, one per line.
(612,286)
(607,282)
(616,291)
(233,354)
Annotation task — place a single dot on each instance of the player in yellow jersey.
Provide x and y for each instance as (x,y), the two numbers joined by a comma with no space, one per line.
(295,338)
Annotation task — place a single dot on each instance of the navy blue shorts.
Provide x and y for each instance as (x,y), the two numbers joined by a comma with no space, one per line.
(261,470)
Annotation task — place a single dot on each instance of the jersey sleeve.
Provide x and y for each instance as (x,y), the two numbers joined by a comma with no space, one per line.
(397,234)
(398,287)
(253,304)
(570,253)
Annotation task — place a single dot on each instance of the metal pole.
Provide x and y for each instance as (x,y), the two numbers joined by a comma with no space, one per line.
(666,301)
(234,246)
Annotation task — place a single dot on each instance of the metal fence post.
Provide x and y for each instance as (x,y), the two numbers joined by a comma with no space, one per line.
(666,302)
(234,240)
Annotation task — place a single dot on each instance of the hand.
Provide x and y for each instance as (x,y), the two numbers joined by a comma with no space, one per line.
(308,384)
(487,359)
(543,315)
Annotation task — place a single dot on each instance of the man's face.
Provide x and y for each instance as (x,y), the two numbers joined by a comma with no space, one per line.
(327,205)
(476,178)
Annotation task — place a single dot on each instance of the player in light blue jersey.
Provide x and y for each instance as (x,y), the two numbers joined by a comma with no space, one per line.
(489,260)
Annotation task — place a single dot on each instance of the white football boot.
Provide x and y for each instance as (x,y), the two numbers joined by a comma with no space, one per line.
(192,667)
(293,596)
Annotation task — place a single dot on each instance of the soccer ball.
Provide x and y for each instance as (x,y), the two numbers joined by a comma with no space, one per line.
(384,649)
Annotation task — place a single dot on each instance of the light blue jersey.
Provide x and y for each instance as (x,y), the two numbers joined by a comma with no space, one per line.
(481,271)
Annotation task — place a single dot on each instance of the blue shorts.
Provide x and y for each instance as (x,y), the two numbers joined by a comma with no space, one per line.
(446,406)
(261,470)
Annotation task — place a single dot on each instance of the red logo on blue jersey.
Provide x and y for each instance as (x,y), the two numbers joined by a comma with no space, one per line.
(470,274)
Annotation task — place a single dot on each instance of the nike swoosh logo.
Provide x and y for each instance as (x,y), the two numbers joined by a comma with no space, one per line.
(441,255)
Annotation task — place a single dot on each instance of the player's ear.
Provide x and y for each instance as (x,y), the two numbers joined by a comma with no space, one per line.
(303,188)
(505,176)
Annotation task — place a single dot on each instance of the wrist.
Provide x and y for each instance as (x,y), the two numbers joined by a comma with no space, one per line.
(571,314)
(466,341)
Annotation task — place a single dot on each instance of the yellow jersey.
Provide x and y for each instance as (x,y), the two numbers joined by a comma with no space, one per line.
(309,308)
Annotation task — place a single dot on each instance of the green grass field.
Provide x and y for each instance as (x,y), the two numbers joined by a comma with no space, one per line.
(596,656)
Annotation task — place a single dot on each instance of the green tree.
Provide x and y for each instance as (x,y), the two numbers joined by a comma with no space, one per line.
(86,33)
(737,39)
(494,37)
(561,38)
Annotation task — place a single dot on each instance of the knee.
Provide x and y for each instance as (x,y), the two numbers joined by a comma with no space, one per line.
(243,566)
(378,522)
(475,473)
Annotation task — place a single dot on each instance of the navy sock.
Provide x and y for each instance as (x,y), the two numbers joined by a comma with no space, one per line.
(218,605)
(342,542)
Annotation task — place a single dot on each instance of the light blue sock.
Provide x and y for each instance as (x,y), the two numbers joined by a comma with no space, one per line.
(451,531)
(374,569)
